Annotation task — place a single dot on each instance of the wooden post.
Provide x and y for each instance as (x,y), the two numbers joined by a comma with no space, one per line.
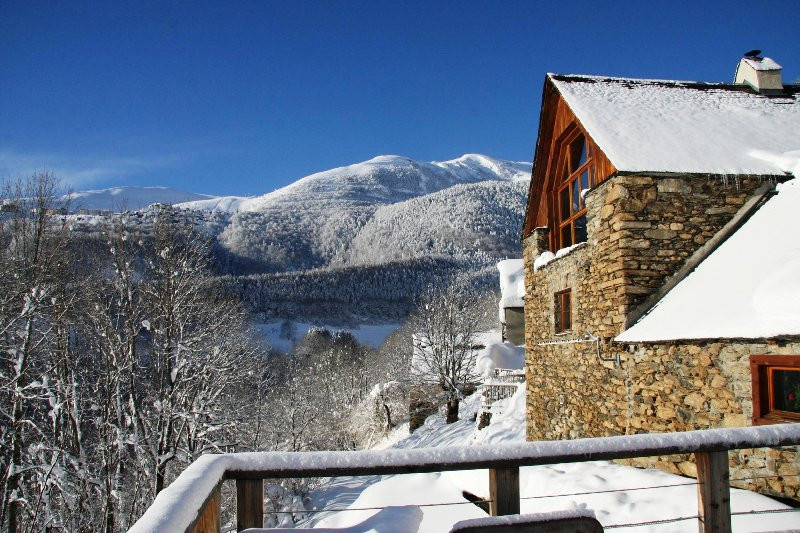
(504,491)
(713,492)
(208,521)
(249,503)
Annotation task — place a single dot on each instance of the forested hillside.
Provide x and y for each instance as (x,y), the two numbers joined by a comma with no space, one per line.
(363,294)
(359,242)
(463,221)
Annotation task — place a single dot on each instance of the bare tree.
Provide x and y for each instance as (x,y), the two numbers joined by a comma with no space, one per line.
(443,330)
(198,348)
(172,353)
(32,265)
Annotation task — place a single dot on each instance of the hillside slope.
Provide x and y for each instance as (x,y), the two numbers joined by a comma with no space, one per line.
(406,208)
(381,180)
(460,221)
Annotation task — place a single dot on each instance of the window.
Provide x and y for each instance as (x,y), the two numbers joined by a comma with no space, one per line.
(563,311)
(776,388)
(576,176)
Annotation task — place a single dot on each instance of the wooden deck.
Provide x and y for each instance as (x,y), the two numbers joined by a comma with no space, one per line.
(710,447)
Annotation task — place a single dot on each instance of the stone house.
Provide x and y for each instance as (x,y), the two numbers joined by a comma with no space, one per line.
(662,259)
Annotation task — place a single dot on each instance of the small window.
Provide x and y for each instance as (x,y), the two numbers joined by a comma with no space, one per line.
(776,388)
(563,307)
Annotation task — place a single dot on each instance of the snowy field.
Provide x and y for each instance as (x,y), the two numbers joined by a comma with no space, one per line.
(366,497)
(283,334)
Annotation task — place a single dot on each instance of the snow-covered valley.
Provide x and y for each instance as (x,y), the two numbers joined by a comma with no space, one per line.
(352,242)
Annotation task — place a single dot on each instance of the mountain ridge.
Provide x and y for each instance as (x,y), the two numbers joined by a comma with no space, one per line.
(382,179)
(129,197)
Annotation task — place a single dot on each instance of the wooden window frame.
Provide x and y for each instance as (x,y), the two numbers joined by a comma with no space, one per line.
(567,221)
(761,368)
(563,313)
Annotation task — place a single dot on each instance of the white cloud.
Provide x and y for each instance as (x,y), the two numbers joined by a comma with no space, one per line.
(79,172)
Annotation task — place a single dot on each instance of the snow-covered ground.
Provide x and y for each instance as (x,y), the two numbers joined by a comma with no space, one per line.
(616,499)
(282,334)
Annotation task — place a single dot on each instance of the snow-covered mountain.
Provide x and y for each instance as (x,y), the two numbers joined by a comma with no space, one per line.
(462,220)
(382,180)
(365,238)
(130,198)
(384,209)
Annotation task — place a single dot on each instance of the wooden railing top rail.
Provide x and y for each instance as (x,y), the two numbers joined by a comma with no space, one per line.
(177,506)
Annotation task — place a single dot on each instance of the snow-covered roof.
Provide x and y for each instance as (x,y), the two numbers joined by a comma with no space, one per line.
(683,127)
(512,283)
(749,287)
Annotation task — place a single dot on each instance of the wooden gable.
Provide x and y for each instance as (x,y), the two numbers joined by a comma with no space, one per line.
(557,124)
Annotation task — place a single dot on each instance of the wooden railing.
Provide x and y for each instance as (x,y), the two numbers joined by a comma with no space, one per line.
(192,502)
(502,384)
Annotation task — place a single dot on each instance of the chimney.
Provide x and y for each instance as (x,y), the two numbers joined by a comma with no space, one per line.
(761,73)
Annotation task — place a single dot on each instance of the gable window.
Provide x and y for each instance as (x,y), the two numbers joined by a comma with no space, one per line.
(776,388)
(576,175)
(563,307)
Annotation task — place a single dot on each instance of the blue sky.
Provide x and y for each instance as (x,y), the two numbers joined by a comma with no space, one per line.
(244,97)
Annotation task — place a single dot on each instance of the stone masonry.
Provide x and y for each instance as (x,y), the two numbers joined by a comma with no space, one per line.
(641,231)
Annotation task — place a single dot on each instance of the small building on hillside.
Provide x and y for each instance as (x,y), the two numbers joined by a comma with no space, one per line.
(662,259)
(512,303)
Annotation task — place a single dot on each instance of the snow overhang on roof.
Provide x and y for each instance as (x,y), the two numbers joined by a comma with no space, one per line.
(512,283)
(661,126)
(749,287)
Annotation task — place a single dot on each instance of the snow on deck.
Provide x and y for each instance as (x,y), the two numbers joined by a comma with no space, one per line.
(749,287)
(175,507)
(682,127)
(560,488)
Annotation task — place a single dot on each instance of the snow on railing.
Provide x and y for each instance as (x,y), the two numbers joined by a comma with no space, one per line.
(191,502)
(507,375)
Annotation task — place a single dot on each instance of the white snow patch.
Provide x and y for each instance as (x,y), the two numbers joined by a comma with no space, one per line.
(765,63)
(499,355)
(543,259)
(512,283)
(547,256)
(522,519)
(410,490)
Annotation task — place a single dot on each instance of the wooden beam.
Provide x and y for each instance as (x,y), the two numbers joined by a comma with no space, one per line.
(536,525)
(504,491)
(713,492)
(208,521)
(249,503)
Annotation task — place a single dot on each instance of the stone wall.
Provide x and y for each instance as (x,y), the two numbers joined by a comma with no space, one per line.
(641,231)
(677,386)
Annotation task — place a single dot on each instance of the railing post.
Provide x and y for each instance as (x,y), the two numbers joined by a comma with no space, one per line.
(504,491)
(713,492)
(208,521)
(249,503)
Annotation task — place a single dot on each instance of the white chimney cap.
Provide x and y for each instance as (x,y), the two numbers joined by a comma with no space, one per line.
(762,74)
(764,63)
